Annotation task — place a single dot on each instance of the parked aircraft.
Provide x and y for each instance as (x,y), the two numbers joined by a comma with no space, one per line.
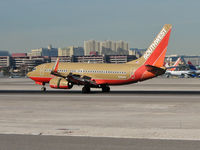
(65,75)
(171,70)
(192,72)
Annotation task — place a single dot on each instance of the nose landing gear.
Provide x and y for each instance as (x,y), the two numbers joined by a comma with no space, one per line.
(43,88)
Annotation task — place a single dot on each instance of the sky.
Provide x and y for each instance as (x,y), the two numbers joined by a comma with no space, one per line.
(28,24)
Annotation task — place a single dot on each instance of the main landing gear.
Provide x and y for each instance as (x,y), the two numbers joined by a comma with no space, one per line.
(86,89)
(43,88)
(105,88)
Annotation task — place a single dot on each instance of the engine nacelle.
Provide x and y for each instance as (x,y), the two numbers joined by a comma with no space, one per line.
(60,83)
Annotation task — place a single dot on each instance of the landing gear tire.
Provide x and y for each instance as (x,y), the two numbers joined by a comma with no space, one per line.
(86,89)
(105,88)
(70,85)
(43,89)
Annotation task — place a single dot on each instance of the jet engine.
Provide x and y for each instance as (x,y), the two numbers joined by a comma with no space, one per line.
(60,83)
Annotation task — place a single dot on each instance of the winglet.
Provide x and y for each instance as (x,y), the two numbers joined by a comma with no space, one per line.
(55,68)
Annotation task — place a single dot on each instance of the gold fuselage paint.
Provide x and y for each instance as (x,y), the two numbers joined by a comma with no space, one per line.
(95,71)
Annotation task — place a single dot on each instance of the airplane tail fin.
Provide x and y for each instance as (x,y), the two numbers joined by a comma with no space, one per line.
(176,64)
(191,66)
(155,54)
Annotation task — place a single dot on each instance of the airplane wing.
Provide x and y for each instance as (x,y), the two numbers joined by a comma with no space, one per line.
(80,80)
(73,78)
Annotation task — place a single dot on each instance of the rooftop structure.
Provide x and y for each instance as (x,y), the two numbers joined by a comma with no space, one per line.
(4,53)
(19,55)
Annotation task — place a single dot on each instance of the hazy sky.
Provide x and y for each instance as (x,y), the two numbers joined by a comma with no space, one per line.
(27,24)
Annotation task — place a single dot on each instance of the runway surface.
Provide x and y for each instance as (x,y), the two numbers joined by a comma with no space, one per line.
(27,142)
(154,109)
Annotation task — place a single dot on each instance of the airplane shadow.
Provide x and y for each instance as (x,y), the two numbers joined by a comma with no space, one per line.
(140,92)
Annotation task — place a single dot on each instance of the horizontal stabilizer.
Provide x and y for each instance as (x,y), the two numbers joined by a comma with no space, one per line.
(155,70)
(172,67)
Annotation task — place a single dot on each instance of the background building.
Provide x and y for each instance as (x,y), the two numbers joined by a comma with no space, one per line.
(90,59)
(71,51)
(53,52)
(106,47)
(4,61)
(4,53)
(21,59)
(40,52)
(13,55)
(91,46)
(62,59)
(118,59)
(137,52)
(50,52)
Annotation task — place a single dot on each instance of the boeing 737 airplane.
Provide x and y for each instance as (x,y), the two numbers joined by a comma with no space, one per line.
(64,75)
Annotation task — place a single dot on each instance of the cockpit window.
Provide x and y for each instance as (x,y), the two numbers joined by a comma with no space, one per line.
(34,69)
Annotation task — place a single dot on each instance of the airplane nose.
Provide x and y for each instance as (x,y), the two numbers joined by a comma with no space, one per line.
(28,74)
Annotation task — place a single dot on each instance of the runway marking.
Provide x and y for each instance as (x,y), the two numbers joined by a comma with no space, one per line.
(105,96)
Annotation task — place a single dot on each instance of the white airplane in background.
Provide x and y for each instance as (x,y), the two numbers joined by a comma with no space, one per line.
(193,72)
(172,69)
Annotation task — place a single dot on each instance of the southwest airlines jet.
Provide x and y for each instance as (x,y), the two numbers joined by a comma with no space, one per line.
(64,75)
